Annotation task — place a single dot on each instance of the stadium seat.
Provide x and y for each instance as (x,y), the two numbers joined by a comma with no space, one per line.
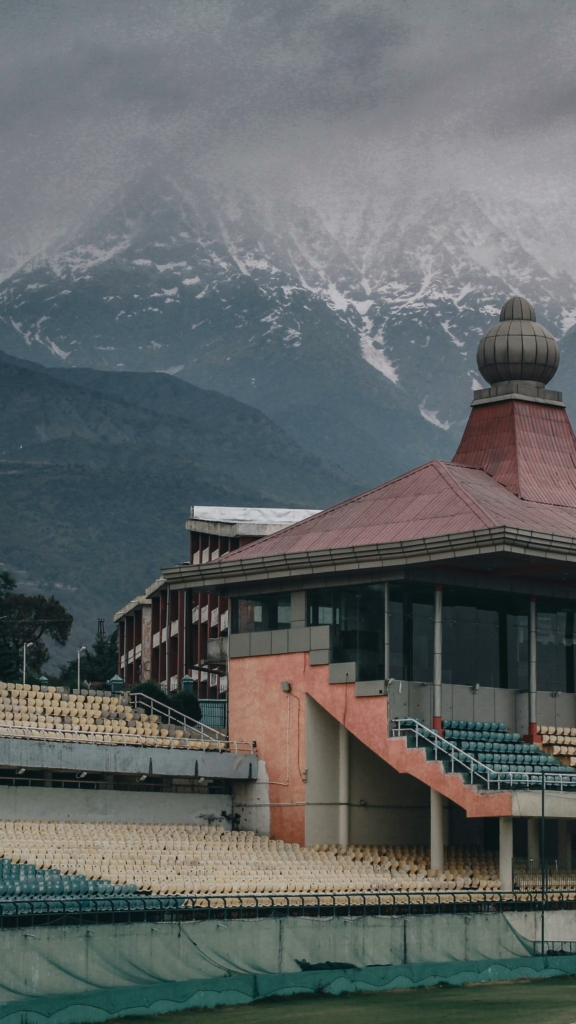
(488,754)
(53,713)
(59,860)
(559,742)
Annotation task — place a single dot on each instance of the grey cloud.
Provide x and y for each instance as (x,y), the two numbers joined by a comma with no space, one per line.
(340,93)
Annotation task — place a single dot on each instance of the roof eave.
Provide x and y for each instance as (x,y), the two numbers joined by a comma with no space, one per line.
(222,573)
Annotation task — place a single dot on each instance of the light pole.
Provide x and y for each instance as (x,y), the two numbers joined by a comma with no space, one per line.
(543,859)
(24,649)
(80,649)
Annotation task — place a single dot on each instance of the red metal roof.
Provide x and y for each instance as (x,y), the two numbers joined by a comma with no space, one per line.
(527,446)
(515,466)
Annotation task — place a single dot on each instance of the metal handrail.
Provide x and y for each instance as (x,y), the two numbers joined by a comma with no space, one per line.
(205,733)
(466,762)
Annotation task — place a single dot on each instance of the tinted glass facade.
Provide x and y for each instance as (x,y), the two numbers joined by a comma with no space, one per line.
(485,634)
(555,645)
(411,632)
(257,614)
(356,615)
(485,639)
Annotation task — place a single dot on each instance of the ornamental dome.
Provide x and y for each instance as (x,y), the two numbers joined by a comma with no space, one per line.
(518,348)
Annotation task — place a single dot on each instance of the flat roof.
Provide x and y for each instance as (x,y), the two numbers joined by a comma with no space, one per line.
(241,514)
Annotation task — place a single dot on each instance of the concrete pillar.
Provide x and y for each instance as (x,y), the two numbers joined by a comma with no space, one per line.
(436,831)
(437,699)
(564,845)
(386,631)
(534,841)
(533,678)
(506,853)
(343,786)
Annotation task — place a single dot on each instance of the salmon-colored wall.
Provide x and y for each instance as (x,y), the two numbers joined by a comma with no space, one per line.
(260,710)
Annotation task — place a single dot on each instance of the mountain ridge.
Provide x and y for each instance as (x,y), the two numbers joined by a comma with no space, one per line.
(99,470)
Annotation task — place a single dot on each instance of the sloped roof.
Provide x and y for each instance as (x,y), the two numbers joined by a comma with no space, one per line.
(529,447)
(436,499)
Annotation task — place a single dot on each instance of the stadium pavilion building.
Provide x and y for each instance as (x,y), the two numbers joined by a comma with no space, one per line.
(405,660)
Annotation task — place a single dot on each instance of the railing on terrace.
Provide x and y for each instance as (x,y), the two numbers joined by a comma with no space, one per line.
(199,731)
(214,712)
(561,947)
(475,772)
(17,913)
(527,875)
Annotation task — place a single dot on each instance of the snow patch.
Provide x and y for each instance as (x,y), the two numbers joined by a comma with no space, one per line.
(373,351)
(172,370)
(57,351)
(568,319)
(335,298)
(362,307)
(446,326)
(191,280)
(432,417)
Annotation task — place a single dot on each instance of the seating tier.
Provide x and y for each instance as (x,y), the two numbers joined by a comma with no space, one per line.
(53,713)
(192,859)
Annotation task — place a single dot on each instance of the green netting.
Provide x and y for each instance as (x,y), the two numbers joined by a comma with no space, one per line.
(202,994)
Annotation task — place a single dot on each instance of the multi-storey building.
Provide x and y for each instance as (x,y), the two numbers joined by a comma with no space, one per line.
(168,634)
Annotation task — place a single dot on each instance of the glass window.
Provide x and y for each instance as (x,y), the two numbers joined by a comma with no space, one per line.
(257,614)
(412,632)
(484,638)
(357,617)
(555,645)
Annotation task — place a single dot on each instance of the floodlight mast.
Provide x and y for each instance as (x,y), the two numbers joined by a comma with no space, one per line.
(80,649)
(24,649)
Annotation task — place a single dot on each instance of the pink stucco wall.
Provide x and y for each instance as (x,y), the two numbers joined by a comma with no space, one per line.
(260,710)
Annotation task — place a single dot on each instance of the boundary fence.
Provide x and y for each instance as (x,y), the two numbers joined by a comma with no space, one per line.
(26,912)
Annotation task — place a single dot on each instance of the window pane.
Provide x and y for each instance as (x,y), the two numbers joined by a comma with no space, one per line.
(555,645)
(255,614)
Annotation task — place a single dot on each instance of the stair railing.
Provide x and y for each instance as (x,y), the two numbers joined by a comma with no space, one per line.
(199,731)
(462,761)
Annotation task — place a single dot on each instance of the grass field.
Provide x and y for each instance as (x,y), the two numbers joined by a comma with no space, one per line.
(534,1002)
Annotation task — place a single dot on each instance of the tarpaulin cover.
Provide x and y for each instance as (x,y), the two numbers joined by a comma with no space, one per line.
(77,974)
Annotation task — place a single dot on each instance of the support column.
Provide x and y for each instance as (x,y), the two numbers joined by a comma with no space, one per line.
(437,687)
(436,831)
(564,845)
(343,786)
(534,841)
(506,853)
(387,631)
(533,679)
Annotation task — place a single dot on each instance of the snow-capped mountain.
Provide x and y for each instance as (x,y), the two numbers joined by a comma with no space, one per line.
(361,346)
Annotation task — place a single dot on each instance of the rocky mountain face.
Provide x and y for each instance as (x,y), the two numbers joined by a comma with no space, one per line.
(358,341)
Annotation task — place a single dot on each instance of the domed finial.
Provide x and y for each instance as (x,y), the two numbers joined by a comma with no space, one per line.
(517,308)
(518,348)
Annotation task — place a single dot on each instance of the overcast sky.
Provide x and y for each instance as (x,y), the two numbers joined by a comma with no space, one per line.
(331,100)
